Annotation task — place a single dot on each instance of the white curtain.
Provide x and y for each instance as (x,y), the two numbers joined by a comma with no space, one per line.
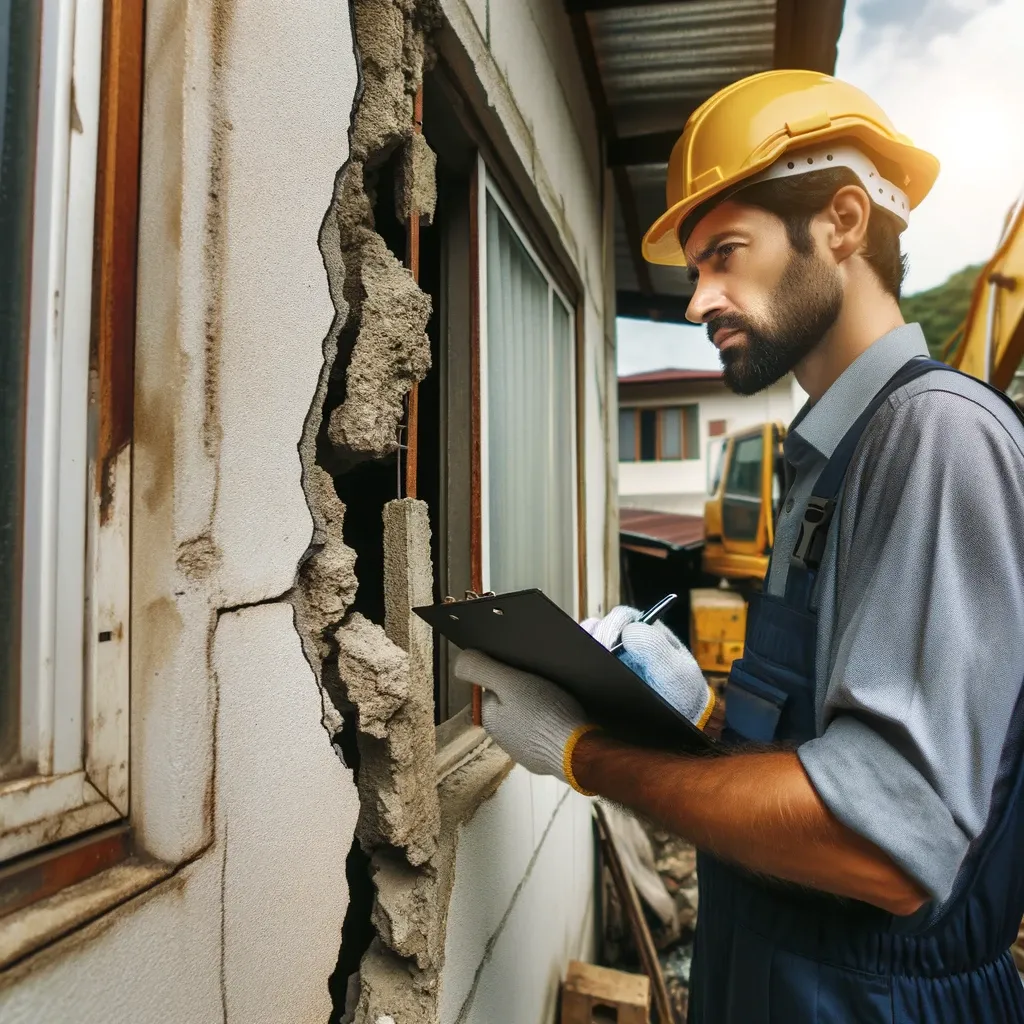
(530,422)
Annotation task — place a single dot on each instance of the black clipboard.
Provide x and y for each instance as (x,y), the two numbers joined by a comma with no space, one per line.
(527,630)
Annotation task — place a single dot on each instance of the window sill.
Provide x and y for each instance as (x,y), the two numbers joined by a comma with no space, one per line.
(30,929)
(456,740)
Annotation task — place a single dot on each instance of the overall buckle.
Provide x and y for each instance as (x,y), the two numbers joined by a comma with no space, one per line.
(810,545)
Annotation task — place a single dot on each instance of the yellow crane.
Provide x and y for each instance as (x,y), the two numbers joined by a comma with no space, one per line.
(747,483)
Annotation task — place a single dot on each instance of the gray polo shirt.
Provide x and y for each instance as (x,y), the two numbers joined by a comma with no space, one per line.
(920,598)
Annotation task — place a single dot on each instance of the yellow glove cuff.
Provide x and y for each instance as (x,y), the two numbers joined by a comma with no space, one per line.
(703,720)
(570,746)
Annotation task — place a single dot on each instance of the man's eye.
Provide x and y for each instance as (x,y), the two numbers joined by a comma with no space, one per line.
(725,251)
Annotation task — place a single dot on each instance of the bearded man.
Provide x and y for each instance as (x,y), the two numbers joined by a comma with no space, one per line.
(859,833)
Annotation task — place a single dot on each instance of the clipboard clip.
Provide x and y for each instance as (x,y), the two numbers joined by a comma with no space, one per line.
(471,595)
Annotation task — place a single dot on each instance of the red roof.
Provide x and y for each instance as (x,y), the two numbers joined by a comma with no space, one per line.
(664,376)
(671,529)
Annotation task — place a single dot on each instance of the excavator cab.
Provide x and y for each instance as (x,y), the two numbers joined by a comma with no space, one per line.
(739,517)
(746,485)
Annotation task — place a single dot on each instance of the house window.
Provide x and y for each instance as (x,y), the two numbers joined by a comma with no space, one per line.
(529,418)
(659,434)
(627,435)
(63,700)
(498,429)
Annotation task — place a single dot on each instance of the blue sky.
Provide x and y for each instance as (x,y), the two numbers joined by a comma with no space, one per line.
(949,74)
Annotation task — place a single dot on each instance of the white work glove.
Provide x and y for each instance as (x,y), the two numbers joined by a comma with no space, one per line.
(535,722)
(659,657)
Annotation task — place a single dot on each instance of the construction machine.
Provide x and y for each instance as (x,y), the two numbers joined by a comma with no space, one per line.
(746,481)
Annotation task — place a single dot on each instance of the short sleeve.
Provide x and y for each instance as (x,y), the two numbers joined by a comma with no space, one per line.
(927,651)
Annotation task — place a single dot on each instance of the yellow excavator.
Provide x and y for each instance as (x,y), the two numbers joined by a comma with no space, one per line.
(746,483)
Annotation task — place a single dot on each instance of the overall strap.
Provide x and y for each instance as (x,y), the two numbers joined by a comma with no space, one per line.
(810,545)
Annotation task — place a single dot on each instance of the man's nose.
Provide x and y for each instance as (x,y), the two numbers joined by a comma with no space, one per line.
(705,304)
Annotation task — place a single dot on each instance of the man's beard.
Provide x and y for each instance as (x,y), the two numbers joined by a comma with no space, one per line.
(804,307)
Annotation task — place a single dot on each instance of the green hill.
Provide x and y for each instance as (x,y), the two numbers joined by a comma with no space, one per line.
(941,310)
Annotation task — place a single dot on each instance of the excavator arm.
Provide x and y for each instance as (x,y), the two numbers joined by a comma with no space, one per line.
(990,342)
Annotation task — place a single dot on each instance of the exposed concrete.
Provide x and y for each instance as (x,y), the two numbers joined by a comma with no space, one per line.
(416,188)
(391,352)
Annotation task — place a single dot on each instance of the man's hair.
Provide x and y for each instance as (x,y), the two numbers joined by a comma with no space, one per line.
(796,200)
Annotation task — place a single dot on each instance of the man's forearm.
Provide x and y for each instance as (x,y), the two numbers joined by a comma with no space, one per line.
(758,810)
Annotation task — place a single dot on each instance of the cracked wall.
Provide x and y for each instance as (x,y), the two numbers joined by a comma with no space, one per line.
(264,644)
(374,658)
(234,780)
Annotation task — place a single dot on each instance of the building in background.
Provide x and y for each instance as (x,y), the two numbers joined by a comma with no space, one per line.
(670,425)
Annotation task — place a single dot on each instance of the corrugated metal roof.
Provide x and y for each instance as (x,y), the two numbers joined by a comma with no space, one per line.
(674,531)
(659,62)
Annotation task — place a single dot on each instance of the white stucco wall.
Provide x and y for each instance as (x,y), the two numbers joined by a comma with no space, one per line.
(523,899)
(682,486)
(232,770)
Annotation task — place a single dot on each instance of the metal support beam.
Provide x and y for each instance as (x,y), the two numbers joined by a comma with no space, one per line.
(636,306)
(807,33)
(623,186)
(638,150)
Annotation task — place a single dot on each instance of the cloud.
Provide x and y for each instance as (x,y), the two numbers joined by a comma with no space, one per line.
(948,73)
(648,345)
(917,21)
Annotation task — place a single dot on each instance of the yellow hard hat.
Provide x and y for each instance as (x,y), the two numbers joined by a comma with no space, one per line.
(744,129)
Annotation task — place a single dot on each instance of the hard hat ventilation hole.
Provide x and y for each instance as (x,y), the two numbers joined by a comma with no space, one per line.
(829,157)
(791,165)
(810,159)
(880,191)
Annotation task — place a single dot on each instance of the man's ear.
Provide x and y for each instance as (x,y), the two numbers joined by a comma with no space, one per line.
(847,217)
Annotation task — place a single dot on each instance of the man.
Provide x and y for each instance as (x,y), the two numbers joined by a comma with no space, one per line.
(860,835)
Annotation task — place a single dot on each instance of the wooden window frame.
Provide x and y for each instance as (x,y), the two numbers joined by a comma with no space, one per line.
(60,842)
(540,236)
(683,433)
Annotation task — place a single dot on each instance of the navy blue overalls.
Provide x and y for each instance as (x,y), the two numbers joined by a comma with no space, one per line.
(769,952)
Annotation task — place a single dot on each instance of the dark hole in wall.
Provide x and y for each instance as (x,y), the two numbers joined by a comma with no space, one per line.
(357,931)
(364,488)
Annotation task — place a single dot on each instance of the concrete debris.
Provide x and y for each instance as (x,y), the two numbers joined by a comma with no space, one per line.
(405,913)
(416,186)
(391,352)
(381,679)
(374,672)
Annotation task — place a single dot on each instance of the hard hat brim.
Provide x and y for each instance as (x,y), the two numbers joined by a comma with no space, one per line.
(661,245)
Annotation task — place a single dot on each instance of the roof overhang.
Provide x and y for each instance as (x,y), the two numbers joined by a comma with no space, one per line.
(648,67)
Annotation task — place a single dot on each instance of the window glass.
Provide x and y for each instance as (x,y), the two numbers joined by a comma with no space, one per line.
(672,433)
(716,455)
(648,435)
(19,72)
(745,469)
(691,432)
(530,422)
(627,435)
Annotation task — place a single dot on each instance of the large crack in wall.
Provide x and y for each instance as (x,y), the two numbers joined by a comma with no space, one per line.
(368,561)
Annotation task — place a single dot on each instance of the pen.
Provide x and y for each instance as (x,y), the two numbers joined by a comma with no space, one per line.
(651,615)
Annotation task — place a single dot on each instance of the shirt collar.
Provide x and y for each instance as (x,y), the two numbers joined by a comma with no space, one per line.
(823,424)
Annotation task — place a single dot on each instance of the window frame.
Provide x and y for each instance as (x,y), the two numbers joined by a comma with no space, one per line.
(74,660)
(487,186)
(683,432)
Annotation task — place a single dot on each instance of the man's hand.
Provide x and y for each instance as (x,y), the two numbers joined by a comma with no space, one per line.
(660,658)
(533,721)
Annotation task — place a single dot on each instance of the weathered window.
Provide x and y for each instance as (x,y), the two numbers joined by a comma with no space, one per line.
(64,703)
(659,434)
(529,517)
